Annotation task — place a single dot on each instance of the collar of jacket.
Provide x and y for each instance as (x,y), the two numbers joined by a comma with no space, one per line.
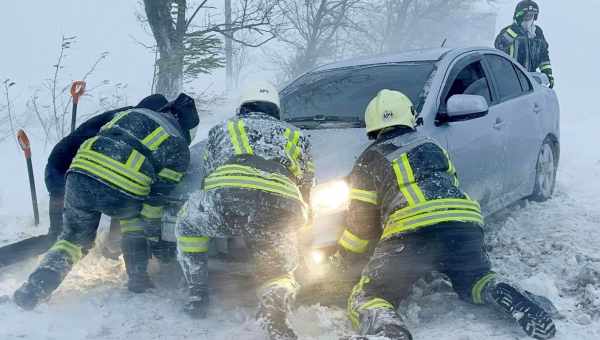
(395,132)
(259,115)
(520,31)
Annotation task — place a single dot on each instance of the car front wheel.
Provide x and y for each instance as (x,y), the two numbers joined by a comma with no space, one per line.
(545,173)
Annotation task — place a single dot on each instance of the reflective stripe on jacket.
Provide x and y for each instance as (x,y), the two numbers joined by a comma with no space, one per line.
(139,152)
(402,183)
(271,155)
(239,176)
(532,53)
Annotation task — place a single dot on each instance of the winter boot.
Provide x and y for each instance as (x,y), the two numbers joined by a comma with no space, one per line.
(197,305)
(536,322)
(195,270)
(136,254)
(44,280)
(41,283)
(382,322)
(29,295)
(275,299)
(274,321)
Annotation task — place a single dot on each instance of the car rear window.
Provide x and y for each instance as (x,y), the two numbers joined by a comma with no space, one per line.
(509,85)
(346,92)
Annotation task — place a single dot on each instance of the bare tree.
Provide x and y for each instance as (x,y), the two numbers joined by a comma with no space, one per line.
(239,63)
(51,103)
(188,35)
(311,31)
(7,84)
(385,26)
(228,48)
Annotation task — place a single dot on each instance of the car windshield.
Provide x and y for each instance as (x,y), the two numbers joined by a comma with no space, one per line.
(339,97)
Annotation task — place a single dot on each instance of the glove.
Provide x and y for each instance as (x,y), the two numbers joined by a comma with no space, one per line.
(338,262)
(548,73)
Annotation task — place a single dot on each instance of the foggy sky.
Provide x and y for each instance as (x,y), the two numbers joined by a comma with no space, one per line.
(31,33)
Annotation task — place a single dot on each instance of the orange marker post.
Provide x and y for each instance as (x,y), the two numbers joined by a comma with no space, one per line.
(24,143)
(77,90)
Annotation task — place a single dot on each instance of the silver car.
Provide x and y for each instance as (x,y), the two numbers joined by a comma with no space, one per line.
(499,123)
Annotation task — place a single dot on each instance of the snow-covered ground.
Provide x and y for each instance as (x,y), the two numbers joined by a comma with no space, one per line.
(551,248)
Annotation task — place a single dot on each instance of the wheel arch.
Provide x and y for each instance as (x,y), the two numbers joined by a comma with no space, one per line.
(555,146)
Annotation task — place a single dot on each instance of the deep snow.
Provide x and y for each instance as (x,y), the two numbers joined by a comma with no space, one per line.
(550,248)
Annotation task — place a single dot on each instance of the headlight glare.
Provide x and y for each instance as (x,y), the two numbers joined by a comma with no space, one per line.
(330,197)
(317,256)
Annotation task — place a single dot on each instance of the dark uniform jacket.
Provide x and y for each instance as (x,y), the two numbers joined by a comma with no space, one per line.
(400,184)
(140,152)
(64,151)
(532,53)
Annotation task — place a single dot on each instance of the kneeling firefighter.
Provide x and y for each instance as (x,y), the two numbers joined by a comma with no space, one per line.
(124,171)
(259,178)
(64,152)
(406,201)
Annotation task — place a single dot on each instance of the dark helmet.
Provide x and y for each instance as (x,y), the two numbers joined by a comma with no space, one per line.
(526,7)
(184,109)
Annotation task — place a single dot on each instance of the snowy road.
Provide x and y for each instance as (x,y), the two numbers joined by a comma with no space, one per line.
(551,248)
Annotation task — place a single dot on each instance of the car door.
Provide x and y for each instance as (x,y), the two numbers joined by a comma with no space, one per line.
(475,146)
(517,110)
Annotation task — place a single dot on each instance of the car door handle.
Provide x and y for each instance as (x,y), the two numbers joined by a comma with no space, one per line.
(499,124)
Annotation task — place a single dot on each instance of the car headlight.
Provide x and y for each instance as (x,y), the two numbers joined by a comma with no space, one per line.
(330,197)
(317,256)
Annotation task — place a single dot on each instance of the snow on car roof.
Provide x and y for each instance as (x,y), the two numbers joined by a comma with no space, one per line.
(413,55)
(430,54)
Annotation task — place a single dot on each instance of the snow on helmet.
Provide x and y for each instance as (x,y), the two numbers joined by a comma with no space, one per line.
(260,97)
(389,108)
(526,7)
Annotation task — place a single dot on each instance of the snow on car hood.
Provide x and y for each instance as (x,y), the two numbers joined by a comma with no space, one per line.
(335,150)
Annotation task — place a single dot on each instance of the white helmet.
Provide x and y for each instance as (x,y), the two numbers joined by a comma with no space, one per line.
(260,96)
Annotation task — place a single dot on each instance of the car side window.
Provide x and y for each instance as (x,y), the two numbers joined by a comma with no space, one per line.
(471,80)
(525,84)
(507,81)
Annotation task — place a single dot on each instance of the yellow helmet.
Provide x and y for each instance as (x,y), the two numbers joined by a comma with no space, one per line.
(389,108)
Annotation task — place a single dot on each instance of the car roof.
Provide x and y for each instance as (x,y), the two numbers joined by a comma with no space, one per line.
(430,54)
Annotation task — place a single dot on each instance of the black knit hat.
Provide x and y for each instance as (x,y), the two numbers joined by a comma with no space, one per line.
(153,102)
(184,109)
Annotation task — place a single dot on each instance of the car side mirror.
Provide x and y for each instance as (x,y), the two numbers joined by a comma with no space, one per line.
(465,107)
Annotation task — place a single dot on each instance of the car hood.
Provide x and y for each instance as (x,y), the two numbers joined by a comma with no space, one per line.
(335,151)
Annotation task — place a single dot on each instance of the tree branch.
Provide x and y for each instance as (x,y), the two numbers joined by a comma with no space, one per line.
(200,6)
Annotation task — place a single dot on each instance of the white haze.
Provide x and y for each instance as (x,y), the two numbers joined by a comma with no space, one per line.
(552,248)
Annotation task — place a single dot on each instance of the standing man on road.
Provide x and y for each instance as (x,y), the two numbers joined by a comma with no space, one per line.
(525,41)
